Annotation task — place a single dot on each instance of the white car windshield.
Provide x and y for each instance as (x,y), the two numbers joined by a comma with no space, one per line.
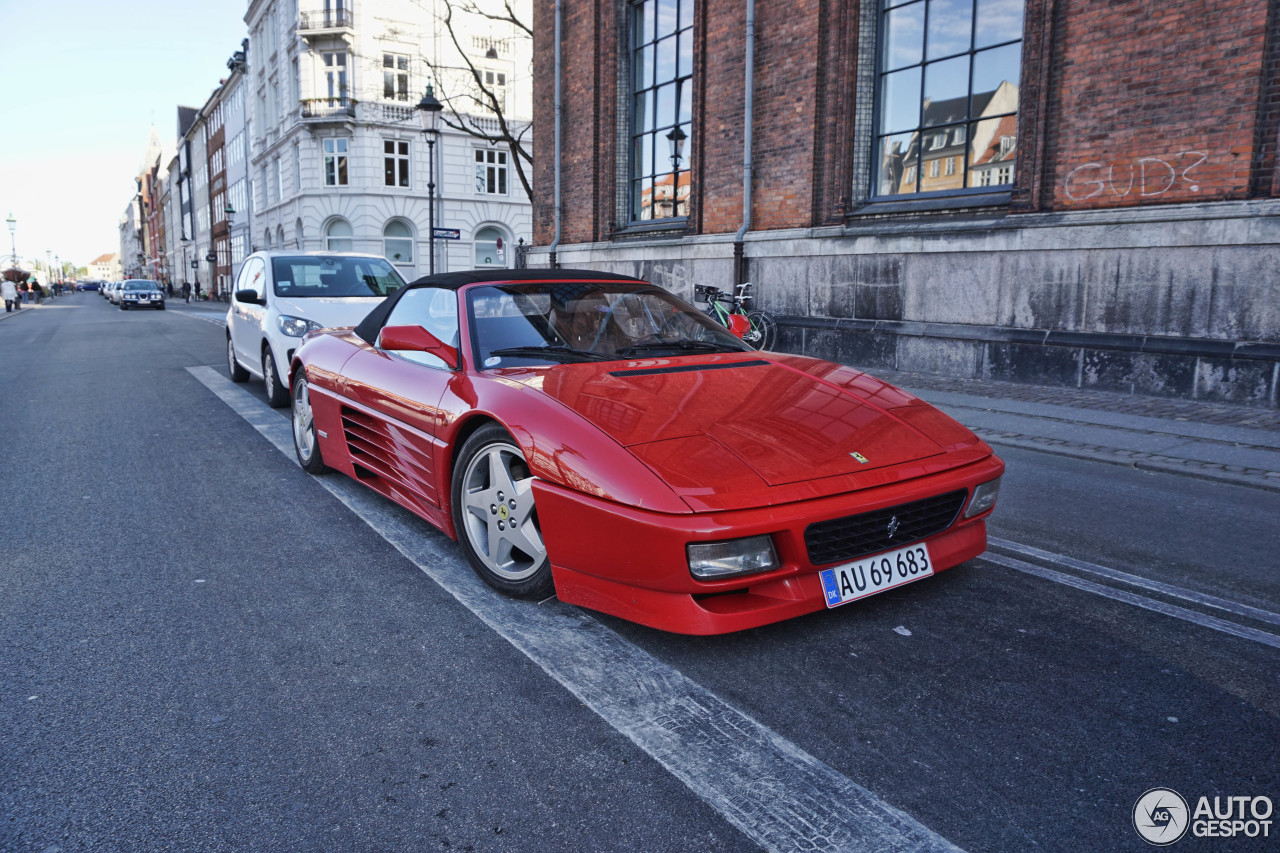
(325,276)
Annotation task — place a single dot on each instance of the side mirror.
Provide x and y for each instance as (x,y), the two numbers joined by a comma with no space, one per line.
(250,296)
(417,339)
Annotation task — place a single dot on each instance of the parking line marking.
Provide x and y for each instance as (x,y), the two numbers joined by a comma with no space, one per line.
(1145,583)
(778,795)
(1194,616)
(214,319)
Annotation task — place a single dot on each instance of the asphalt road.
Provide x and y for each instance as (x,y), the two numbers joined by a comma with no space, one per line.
(204,649)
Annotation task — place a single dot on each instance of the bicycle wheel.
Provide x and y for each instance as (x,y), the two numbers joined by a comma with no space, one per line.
(764,330)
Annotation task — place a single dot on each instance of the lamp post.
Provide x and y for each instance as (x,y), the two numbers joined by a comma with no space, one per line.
(429,109)
(13,238)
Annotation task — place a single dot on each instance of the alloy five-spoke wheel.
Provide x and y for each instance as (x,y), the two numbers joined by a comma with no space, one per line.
(305,444)
(495,515)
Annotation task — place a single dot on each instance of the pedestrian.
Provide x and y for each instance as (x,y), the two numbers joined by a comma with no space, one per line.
(23,296)
(186,291)
(36,291)
(197,290)
(10,294)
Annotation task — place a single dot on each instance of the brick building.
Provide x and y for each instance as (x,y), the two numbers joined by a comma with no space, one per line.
(1050,191)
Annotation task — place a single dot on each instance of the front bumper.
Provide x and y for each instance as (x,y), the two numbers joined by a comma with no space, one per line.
(632,563)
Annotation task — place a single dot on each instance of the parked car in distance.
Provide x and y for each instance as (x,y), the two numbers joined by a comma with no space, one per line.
(280,296)
(594,436)
(113,292)
(141,293)
(86,285)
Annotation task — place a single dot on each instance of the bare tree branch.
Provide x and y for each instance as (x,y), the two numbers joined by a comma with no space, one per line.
(462,106)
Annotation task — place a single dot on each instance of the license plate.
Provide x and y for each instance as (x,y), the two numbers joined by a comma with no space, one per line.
(875,574)
(143,301)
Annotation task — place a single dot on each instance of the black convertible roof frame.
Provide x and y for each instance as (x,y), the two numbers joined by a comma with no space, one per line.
(373,322)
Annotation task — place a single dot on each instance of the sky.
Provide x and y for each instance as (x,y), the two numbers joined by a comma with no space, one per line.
(81,84)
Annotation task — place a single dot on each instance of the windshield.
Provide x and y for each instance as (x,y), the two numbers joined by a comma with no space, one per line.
(141,285)
(522,324)
(329,276)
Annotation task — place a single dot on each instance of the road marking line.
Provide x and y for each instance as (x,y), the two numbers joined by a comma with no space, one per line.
(1145,583)
(1202,619)
(777,794)
(215,319)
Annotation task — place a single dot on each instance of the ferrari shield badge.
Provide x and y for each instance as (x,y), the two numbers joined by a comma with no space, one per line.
(859,457)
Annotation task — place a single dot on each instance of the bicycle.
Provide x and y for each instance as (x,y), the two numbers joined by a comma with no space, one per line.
(757,328)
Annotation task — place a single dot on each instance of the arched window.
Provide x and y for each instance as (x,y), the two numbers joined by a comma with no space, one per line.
(280,236)
(266,239)
(491,247)
(337,237)
(397,242)
(297,234)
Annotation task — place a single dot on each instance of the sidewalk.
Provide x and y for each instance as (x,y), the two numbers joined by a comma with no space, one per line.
(1213,441)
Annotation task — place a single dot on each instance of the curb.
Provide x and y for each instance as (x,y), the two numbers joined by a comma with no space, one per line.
(1235,475)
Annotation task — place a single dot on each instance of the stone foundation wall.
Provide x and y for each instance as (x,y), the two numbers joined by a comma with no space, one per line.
(1178,301)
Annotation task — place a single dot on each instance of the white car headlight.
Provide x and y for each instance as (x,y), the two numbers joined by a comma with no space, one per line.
(296,327)
(714,560)
(984,498)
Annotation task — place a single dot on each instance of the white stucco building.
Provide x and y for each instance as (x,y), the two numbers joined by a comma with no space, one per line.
(338,158)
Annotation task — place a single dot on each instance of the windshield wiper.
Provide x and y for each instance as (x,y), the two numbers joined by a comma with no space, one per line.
(551,351)
(683,345)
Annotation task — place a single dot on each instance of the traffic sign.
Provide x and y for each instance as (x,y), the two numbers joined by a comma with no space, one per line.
(447,234)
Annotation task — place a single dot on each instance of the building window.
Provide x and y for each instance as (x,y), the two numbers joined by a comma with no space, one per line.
(335,76)
(395,162)
(947,86)
(661,101)
(491,249)
(493,93)
(491,171)
(397,242)
(337,237)
(335,162)
(395,77)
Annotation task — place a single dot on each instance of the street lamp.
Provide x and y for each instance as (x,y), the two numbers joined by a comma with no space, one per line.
(676,137)
(429,110)
(230,212)
(13,238)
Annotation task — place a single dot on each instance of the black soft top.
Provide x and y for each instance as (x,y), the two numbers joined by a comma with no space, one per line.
(373,322)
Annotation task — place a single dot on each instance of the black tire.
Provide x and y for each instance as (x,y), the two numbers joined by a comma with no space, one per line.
(160,307)
(306,445)
(764,330)
(277,393)
(124,307)
(485,507)
(238,373)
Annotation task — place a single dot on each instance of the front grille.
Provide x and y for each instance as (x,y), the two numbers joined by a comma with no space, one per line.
(856,536)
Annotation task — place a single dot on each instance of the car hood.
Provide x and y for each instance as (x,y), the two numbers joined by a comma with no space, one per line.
(332,313)
(726,423)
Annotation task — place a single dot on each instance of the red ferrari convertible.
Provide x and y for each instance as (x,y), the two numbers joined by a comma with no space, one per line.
(592,435)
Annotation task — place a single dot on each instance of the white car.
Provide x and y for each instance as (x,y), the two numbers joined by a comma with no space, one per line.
(280,296)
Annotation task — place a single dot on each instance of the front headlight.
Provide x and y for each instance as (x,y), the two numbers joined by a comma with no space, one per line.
(296,327)
(984,498)
(714,560)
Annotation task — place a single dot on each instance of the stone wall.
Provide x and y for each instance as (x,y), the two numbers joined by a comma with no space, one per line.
(1179,301)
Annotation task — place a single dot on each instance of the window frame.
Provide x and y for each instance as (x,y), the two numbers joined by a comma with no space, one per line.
(925,135)
(341,161)
(397,75)
(397,164)
(640,176)
(495,174)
